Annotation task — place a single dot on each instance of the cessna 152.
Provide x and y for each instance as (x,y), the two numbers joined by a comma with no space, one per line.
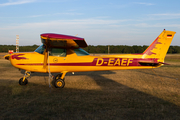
(62,53)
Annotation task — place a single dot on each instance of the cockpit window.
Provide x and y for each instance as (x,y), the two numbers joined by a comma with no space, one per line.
(40,49)
(57,52)
(80,52)
(60,52)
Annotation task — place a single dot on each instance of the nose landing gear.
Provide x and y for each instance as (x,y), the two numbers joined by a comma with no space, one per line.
(23,80)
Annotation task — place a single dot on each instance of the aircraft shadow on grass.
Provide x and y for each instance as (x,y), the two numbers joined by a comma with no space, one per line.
(121,101)
(127,103)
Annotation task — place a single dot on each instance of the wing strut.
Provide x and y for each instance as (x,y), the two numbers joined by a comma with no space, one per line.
(46,53)
(50,75)
(46,60)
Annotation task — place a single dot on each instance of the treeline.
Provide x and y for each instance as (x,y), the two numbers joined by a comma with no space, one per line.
(5,48)
(125,49)
(95,49)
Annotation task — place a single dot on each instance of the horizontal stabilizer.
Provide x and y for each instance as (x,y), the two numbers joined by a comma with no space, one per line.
(151,63)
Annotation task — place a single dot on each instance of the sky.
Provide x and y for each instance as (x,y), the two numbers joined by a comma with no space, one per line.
(100,22)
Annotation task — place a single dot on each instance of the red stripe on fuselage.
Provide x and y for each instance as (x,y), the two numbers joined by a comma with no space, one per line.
(101,62)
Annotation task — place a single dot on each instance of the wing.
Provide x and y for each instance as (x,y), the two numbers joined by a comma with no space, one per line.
(62,41)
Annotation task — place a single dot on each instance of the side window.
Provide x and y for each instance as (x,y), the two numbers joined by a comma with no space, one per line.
(57,52)
(80,52)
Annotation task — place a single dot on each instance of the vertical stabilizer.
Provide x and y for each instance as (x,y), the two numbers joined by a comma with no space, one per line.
(158,49)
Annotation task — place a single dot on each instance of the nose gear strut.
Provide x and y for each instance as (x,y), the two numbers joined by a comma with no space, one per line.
(23,80)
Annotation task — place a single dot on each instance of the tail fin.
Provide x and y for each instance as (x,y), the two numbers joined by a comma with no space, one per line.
(160,46)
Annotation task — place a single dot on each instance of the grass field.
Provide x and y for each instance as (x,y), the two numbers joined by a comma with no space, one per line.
(128,94)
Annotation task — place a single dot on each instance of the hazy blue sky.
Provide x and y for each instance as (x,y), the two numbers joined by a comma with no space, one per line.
(100,22)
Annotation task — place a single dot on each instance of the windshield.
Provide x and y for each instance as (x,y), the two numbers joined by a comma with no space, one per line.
(80,52)
(40,49)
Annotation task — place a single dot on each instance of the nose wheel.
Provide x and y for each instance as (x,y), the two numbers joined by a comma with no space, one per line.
(23,80)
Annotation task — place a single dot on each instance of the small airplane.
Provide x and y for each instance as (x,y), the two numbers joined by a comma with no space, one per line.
(63,53)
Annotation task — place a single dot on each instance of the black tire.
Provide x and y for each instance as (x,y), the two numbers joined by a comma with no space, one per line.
(59,83)
(23,83)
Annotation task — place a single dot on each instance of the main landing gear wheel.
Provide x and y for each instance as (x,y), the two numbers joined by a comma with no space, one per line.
(23,82)
(58,82)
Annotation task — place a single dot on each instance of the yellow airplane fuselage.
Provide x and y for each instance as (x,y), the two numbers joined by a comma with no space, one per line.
(34,62)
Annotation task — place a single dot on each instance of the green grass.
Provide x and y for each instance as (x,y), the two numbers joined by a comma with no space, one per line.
(172,58)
